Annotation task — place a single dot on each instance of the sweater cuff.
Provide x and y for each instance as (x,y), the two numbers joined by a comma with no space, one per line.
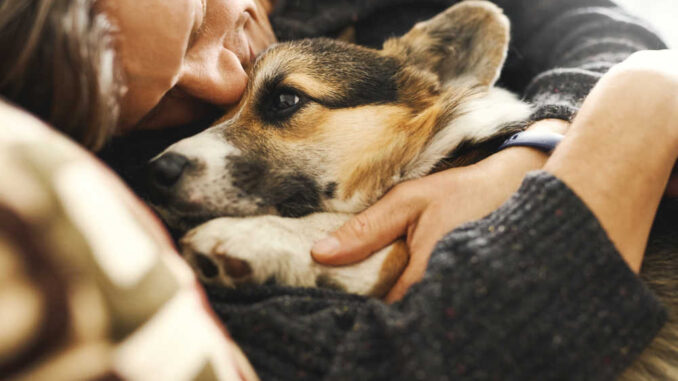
(556,262)
(559,93)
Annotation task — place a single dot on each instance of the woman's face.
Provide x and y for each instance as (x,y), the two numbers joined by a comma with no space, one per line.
(179,56)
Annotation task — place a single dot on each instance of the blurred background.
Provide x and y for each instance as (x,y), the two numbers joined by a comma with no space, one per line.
(663,14)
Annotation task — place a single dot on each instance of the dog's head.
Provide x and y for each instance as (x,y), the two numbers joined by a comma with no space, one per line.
(330,126)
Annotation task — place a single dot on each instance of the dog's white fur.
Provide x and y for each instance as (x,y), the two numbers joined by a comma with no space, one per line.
(479,118)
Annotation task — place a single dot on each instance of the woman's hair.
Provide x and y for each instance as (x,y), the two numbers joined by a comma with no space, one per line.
(58,62)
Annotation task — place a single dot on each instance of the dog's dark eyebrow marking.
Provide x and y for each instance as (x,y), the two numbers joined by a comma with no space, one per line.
(360,76)
(267,89)
(271,84)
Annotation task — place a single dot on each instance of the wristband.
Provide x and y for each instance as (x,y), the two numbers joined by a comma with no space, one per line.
(544,141)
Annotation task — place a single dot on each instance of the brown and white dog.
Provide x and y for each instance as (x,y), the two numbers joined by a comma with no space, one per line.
(324,129)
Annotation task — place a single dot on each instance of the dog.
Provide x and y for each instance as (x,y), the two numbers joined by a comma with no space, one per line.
(324,129)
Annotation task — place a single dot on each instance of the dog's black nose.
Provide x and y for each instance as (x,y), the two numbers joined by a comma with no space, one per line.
(166,170)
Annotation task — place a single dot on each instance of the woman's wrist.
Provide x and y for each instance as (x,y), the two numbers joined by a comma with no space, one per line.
(520,160)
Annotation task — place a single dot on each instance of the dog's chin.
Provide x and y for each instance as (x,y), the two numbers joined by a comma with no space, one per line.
(179,223)
(181,218)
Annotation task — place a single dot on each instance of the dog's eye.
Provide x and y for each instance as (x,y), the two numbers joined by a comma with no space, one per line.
(281,104)
(284,104)
(286,101)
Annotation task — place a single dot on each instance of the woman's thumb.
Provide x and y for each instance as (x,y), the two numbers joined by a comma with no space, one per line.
(365,233)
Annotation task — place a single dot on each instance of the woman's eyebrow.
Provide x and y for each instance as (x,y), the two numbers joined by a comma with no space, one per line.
(197,28)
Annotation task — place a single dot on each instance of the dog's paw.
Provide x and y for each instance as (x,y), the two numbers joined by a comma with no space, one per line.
(205,250)
(237,251)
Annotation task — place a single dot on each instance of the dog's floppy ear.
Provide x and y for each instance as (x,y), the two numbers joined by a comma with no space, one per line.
(469,39)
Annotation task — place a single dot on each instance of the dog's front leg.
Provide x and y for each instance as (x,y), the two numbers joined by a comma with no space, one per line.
(254,250)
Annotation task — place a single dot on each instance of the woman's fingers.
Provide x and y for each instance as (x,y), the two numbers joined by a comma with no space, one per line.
(369,231)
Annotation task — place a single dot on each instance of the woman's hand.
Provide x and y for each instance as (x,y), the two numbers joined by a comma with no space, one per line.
(424,210)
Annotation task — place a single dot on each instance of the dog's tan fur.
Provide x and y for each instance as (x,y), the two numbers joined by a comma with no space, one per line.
(396,260)
(423,103)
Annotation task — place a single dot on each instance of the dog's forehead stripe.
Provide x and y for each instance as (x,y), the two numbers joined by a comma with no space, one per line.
(338,75)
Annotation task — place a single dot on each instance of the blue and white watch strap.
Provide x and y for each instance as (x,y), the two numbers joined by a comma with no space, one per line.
(544,141)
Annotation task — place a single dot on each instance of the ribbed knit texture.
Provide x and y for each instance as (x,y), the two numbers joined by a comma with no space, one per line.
(559,48)
(533,291)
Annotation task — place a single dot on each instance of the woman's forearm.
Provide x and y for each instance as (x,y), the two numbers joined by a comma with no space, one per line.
(619,154)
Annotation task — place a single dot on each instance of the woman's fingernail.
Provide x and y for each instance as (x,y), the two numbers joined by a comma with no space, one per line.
(326,246)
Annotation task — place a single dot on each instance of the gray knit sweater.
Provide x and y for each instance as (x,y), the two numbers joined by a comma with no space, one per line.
(535,291)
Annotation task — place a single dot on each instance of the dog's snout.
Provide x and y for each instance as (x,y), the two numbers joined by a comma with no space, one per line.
(167,169)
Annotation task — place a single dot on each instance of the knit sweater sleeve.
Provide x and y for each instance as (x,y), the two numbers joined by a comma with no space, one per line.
(561,48)
(533,291)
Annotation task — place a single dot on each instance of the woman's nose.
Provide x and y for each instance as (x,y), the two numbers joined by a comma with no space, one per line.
(214,76)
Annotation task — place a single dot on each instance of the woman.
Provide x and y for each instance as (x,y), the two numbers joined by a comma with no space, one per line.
(177,60)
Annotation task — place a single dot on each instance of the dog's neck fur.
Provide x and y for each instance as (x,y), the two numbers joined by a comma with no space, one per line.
(452,131)
(477,120)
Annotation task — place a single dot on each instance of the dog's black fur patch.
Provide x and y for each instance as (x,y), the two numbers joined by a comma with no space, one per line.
(331,190)
(247,173)
(291,194)
(296,196)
